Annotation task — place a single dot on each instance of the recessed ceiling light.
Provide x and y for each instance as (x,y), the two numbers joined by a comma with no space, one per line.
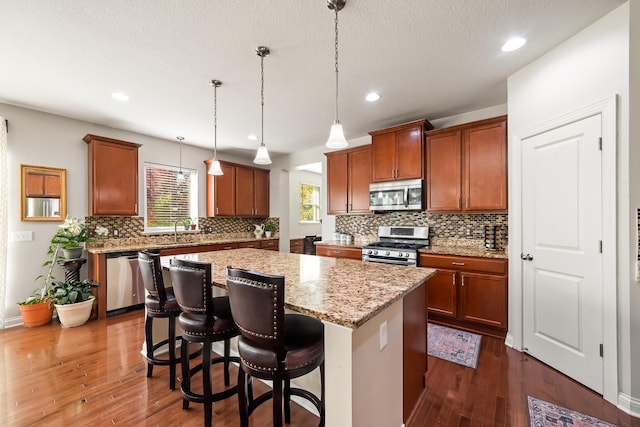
(253,137)
(513,43)
(120,96)
(372,97)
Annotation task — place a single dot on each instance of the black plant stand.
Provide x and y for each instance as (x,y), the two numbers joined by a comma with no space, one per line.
(72,268)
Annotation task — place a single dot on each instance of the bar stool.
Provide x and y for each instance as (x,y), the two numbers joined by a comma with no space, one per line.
(159,303)
(273,345)
(206,320)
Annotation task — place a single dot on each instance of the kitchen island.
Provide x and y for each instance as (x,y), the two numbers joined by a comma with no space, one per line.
(375,329)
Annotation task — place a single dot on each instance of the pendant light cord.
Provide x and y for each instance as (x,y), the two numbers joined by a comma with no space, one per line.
(262,99)
(215,121)
(336,47)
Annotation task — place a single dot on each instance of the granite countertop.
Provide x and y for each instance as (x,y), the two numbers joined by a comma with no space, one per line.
(355,244)
(146,243)
(342,291)
(462,247)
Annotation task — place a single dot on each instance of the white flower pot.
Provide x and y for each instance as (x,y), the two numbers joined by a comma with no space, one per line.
(71,315)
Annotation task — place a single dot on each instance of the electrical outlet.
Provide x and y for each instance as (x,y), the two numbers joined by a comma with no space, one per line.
(21,236)
(383,335)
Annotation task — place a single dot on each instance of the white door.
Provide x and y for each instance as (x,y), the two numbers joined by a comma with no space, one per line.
(561,244)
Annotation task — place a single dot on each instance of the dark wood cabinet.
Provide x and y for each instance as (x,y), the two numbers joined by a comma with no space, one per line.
(42,185)
(240,191)
(466,167)
(113,176)
(296,246)
(270,245)
(468,292)
(397,153)
(339,251)
(348,178)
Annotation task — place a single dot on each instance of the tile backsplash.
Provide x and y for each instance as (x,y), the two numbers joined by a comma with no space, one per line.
(443,226)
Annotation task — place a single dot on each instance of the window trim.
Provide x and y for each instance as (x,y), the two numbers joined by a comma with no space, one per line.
(319,205)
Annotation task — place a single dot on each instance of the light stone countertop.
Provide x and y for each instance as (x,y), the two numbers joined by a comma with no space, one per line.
(342,291)
(464,251)
(146,243)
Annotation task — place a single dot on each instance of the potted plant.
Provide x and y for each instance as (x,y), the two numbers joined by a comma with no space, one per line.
(269,228)
(187,223)
(37,309)
(73,301)
(70,236)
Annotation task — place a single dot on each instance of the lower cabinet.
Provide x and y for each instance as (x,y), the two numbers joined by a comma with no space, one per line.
(296,246)
(468,292)
(339,251)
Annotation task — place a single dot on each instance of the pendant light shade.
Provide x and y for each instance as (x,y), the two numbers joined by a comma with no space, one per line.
(215,168)
(262,156)
(336,136)
(180,176)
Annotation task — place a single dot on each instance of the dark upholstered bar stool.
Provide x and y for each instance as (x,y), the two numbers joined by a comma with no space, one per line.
(159,303)
(272,345)
(204,319)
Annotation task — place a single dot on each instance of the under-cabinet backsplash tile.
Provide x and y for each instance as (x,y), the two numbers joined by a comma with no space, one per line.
(458,226)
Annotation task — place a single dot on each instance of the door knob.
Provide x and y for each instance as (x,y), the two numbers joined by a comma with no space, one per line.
(527,257)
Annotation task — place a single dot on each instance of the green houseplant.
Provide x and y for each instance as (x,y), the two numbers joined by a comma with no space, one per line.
(269,228)
(73,301)
(70,236)
(37,309)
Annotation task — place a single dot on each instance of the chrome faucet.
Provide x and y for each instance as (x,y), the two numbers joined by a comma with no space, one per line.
(175,229)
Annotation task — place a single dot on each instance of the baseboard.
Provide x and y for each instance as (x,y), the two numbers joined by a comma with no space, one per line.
(508,341)
(12,321)
(629,404)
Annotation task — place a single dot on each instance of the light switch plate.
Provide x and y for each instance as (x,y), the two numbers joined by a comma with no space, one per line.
(383,335)
(21,236)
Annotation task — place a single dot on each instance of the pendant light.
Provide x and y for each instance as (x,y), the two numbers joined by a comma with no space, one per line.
(262,156)
(336,136)
(180,176)
(215,168)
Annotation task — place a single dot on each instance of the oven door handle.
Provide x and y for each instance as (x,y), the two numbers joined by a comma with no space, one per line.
(388,261)
(406,196)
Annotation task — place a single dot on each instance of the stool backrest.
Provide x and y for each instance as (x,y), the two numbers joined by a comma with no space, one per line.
(151,272)
(192,287)
(257,307)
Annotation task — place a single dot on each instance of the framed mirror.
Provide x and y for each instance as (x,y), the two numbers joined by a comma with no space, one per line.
(43,193)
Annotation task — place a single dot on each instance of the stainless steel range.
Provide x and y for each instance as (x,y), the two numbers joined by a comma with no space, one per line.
(397,245)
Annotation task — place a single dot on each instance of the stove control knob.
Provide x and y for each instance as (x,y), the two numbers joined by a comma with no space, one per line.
(400,254)
(387,253)
(406,255)
(369,252)
(375,252)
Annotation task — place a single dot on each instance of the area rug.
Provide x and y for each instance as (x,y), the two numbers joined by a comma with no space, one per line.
(453,345)
(543,414)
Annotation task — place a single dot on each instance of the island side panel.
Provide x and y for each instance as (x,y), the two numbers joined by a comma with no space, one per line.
(414,339)
(97,271)
(338,375)
(377,373)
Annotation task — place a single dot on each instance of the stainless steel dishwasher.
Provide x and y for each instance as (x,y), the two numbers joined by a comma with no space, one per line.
(124,282)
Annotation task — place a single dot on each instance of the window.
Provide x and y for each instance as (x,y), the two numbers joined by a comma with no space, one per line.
(309,203)
(168,199)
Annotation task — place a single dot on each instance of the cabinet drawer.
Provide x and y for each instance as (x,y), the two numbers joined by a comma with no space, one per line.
(339,252)
(225,246)
(296,246)
(255,245)
(269,244)
(460,263)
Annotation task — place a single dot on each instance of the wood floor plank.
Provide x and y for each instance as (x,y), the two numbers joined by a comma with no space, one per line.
(95,375)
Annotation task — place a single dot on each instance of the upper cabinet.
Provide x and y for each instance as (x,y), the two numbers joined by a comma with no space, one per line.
(466,167)
(397,152)
(113,176)
(348,178)
(241,191)
(42,184)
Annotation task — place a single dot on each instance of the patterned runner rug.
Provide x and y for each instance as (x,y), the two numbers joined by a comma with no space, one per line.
(453,345)
(543,414)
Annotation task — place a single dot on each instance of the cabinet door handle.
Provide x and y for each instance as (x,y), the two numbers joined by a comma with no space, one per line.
(350,206)
(216,211)
(467,203)
(457,263)
(459,202)
(454,279)
(462,281)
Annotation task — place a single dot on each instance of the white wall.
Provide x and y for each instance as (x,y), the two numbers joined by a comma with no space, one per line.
(43,139)
(589,67)
(297,229)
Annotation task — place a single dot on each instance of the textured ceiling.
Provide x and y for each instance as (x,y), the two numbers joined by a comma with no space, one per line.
(427,58)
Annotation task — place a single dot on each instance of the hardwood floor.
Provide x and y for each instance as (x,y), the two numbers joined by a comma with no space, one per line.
(95,375)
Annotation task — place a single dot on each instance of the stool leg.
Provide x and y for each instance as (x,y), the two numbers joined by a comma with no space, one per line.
(206,383)
(243,384)
(277,402)
(287,401)
(186,379)
(172,352)
(322,412)
(148,337)
(227,355)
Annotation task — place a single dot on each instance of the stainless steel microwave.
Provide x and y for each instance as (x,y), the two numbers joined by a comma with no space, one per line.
(396,196)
